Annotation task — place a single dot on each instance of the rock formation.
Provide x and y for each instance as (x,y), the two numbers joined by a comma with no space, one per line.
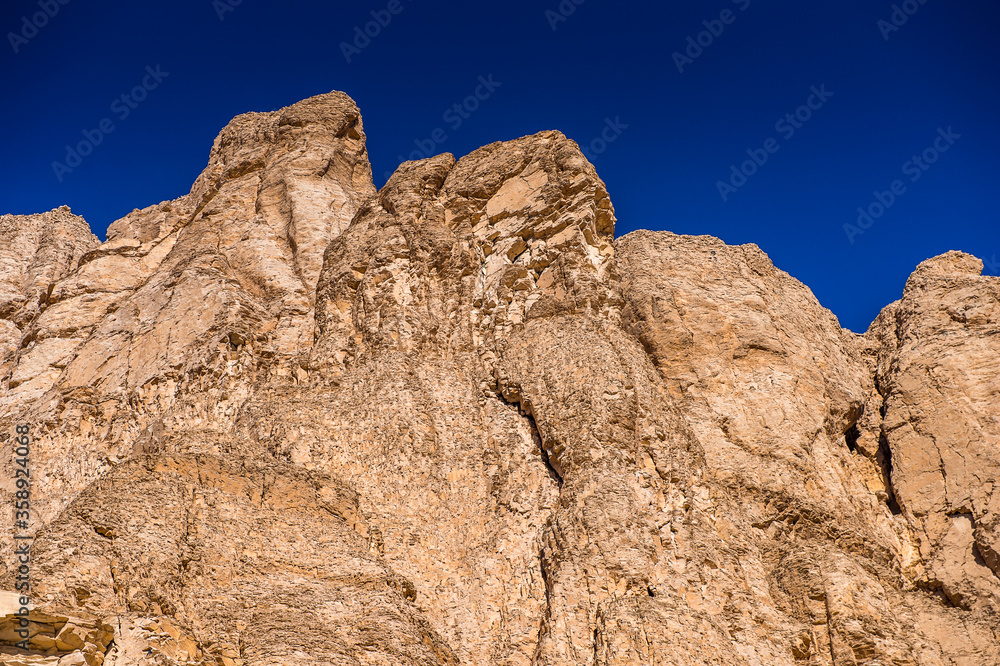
(290,419)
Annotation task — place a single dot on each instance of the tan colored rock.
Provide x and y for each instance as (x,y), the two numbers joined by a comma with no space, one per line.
(179,290)
(938,351)
(289,419)
(36,252)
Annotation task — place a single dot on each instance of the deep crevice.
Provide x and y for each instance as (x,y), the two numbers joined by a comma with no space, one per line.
(884,460)
(852,436)
(536,436)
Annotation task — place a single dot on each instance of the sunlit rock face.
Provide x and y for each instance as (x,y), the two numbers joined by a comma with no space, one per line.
(290,419)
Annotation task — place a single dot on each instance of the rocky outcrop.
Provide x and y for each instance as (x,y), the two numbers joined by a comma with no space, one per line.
(69,641)
(36,252)
(935,412)
(289,419)
(163,309)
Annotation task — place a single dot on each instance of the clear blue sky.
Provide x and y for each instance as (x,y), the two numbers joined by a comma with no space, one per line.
(605,62)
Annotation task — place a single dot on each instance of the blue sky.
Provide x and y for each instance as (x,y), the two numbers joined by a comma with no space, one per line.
(667,98)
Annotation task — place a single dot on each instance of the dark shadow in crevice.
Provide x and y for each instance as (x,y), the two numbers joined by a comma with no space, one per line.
(884,460)
(852,436)
(536,436)
(977,555)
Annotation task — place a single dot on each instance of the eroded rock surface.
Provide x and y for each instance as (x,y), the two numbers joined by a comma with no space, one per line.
(289,419)
(938,388)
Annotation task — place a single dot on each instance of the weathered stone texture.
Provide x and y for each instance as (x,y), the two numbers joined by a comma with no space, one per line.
(289,419)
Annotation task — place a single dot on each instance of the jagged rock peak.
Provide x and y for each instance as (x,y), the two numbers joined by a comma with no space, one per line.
(287,419)
(35,252)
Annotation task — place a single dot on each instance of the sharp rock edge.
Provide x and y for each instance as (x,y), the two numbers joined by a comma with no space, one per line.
(288,418)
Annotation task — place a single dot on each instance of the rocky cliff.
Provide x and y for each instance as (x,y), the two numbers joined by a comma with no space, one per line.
(290,419)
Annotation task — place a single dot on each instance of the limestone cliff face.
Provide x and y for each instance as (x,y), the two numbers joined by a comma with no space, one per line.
(287,419)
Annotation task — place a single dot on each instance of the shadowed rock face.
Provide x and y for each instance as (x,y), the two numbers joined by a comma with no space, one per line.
(289,419)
